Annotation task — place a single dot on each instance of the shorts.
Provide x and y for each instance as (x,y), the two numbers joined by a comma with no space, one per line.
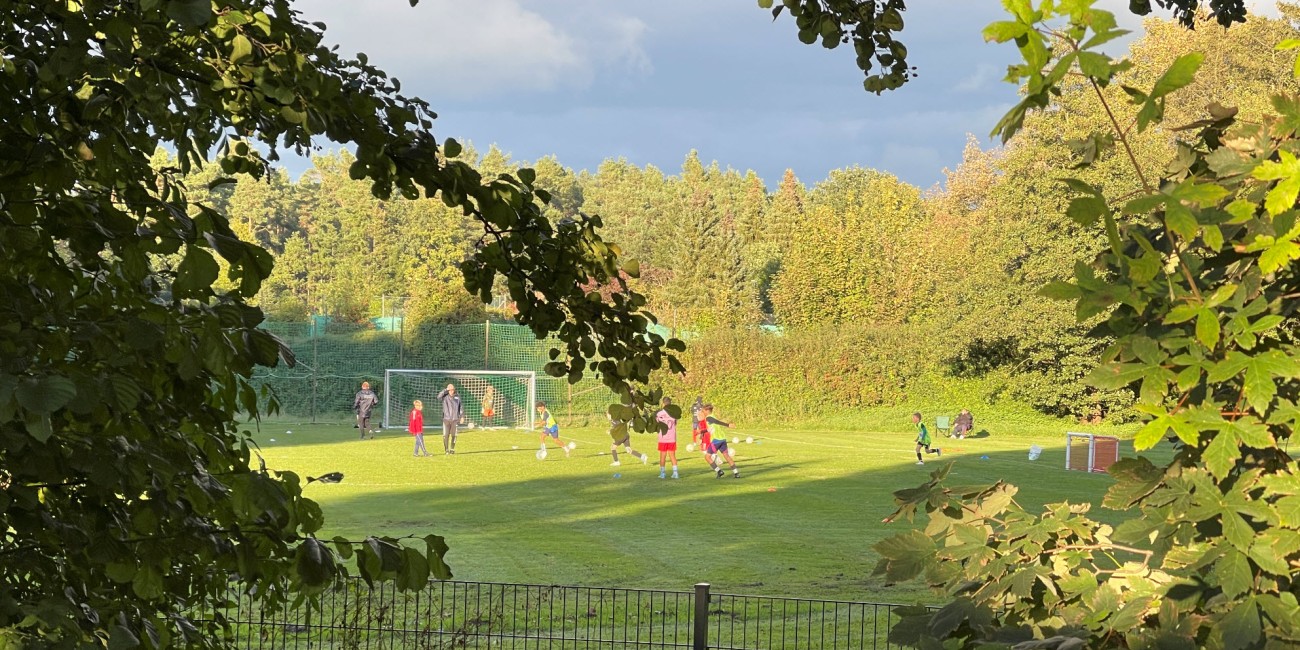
(718,446)
(627,440)
(553,432)
(668,446)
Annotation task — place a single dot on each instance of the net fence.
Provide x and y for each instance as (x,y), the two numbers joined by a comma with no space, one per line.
(335,357)
(488,398)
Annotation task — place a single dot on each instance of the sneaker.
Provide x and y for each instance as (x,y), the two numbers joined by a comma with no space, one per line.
(675,475)
(645,460)
(615,463)
(938,453)
(735,473)
(452,452)
(566,452)
(661,475)
(920,462)
(721,473)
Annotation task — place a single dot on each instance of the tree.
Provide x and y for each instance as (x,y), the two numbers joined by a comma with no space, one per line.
(872,26)
(853,256)
(131,497)
(1197,286)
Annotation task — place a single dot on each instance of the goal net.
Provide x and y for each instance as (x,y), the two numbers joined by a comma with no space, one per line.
(490,398)
(1086,452)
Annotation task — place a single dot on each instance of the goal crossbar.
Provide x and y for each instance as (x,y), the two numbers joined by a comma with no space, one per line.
(497,399)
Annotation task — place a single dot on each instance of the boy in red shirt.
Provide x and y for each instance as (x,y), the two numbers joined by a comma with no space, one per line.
(713,445)
(416,428)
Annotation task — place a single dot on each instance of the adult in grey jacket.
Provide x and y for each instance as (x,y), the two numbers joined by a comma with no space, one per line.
(363,404)
(453,413)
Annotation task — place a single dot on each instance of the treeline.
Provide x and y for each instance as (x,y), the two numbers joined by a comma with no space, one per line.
(886,293)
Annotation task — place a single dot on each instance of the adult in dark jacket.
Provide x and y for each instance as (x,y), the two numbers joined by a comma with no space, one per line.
(965,422)
(453,413)
(364,404)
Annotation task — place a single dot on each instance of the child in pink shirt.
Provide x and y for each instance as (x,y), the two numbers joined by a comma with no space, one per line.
(667,437)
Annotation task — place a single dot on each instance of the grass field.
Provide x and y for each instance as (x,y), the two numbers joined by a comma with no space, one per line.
(799,522)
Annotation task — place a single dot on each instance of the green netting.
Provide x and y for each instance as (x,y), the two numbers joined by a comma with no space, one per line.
(334,358)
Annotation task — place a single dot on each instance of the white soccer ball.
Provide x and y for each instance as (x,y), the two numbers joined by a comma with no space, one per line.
(272,439)
(573,445)
(735,441)
(690,447)
(514,446)
(289,432)
(749,440)
(541,454)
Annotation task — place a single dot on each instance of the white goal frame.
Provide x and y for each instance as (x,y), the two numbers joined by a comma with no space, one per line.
(1093,456)
(394,415)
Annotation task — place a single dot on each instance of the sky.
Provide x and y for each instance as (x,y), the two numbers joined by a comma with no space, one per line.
(589,80)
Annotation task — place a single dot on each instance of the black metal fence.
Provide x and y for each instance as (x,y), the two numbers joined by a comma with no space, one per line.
(539,617)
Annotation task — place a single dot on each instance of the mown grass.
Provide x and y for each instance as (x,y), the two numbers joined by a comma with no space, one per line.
(800,522)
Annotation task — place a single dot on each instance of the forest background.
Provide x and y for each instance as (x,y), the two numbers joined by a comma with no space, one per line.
(857,291)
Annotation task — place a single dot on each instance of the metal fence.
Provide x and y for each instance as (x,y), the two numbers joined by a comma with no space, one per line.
(540,617)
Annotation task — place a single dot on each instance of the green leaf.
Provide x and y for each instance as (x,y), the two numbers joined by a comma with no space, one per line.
(196,273)
(1221,457)
(1058,290)
(240,48)
(1238,532)
(148,583)
(1180,73)
(1240,627)
(1287,172)
(1085,210)
(314,563)
(1180,220)
(1004,30)
(1233,571)
(1115,375)
(45,395)
(1208,328)
(1278,255)
(190,13)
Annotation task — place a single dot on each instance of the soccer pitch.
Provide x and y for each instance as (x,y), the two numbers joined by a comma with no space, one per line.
(800,521)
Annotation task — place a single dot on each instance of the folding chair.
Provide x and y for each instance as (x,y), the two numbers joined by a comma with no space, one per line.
(943,424)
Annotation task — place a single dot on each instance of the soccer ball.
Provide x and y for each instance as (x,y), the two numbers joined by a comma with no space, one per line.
(541,454)
(272,439)
(735,441)
(573,445)
(289,432)
(690,447)
(514,446)
(749,440)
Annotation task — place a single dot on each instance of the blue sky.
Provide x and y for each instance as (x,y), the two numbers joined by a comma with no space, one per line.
(588,80)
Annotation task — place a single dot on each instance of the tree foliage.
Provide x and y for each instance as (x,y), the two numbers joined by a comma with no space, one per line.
(1196,287)
(131,499)
(872,28)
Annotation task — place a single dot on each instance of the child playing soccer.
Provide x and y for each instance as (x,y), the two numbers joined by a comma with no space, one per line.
(417,429)
(923,439)
(667,437)
(619,431)
(549,428)
(716,446)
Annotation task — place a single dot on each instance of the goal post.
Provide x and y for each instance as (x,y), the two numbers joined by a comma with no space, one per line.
(1087,452)
(512,395)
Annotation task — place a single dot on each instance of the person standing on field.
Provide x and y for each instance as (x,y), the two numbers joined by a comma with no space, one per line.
(416,427)
(363,404)
(453,413)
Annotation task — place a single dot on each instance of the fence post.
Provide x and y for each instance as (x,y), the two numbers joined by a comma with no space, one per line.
(487,344)
(700,639)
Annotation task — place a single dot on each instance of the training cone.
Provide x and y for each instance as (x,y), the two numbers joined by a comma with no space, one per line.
(771,489)
(984,457)
(618,476)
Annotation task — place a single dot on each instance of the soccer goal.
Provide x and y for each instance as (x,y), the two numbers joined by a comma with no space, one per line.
(1086,452)
(498,399)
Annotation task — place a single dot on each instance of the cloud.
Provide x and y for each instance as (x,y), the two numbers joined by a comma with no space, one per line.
(979,80)
(466,50)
